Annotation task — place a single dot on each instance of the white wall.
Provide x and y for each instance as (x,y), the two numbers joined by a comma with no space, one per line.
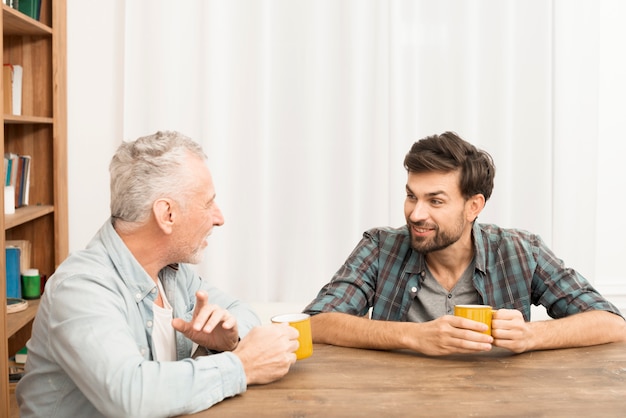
(96,126)
(588,223)
(95,108)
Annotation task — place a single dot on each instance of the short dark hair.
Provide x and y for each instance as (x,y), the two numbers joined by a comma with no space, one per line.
(448,152)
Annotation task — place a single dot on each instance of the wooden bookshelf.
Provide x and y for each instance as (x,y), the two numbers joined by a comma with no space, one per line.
(18,320)
(39,46)
(26,214)
(13,409)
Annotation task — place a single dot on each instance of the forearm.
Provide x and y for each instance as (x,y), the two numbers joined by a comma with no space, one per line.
(583,329)
(360,332)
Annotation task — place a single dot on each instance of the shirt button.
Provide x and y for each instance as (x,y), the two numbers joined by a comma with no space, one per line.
(138,296)
(149,324)
(450,296)
(153,291)
(414,289)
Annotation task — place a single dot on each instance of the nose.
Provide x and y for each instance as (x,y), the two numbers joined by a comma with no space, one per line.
(218,217)
(418,212)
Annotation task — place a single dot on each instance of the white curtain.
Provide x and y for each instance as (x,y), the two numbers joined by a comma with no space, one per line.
(307,107)
(589,140)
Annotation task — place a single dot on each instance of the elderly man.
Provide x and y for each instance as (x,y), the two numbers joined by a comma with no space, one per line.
(119,321)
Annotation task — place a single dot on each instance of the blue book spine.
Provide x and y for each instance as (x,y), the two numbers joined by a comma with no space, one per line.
(14,282)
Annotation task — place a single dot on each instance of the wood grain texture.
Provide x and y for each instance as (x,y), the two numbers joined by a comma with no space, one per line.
(345,382)
(41,132)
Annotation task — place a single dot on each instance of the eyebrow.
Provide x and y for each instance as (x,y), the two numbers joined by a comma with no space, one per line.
(431,194)
(211,199)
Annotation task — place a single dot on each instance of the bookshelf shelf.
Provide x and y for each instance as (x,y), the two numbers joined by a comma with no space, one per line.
(22,120)
(16,321)
(39,46)
(17,23)
(26,214)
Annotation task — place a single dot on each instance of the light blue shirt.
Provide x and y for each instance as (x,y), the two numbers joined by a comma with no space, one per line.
(91,351)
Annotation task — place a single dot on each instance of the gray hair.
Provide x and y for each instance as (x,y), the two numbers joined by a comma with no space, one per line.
(146,169)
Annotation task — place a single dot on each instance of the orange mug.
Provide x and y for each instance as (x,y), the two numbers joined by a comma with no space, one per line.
(301,322)
(480,313)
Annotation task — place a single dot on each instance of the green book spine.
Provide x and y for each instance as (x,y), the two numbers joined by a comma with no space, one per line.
(30,8)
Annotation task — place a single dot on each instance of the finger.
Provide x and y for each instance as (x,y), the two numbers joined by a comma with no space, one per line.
(201,311)
(475,337)
(468,324)
(501,325)
(470,345)
(292,358)
(289,331)
(230,322)
(202,299)
(505,335)
(180,325)
(508,314)
(219,316)
(207,319)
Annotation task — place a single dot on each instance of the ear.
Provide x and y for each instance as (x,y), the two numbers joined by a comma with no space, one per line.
(474,206)
(163,210)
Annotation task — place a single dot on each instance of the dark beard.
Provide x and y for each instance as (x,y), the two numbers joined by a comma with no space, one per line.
(441,240)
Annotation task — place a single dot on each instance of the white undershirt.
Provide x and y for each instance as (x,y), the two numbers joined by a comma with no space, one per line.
(163,336)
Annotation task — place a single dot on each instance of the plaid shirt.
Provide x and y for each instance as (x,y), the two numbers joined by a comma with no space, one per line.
(513,269)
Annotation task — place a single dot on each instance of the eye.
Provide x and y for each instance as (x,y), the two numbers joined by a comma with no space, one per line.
(207,205)
(436,202)
(410,196)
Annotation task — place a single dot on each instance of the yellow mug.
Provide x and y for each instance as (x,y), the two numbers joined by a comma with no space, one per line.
(301,322)
(480,313)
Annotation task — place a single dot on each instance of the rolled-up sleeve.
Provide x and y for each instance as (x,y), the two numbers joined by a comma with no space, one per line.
(353,287)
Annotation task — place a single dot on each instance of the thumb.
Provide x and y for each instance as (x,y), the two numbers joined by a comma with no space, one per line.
(180,325)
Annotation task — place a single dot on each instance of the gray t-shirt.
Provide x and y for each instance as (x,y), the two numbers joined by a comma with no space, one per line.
(433,301)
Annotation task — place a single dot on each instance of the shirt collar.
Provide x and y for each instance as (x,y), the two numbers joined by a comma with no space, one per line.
(130,271)
(417,262)
(480,253)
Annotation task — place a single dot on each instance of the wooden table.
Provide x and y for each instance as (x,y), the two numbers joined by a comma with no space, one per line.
(346,382)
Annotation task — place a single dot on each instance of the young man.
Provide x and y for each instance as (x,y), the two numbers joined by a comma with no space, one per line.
(119,321)
(411,277)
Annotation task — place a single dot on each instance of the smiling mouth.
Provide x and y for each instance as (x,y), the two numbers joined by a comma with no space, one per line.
(422,229)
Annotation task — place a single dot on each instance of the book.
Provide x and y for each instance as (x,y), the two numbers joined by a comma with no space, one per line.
(9,200)
(7,96)
(24,181)
(30,8)
(25,252)
(16,89)
(18,181)
(12,75)
(7,171)
(13,275)
(18,173)
(12,168)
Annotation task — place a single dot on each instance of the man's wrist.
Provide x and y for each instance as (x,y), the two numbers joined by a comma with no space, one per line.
(236,344)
